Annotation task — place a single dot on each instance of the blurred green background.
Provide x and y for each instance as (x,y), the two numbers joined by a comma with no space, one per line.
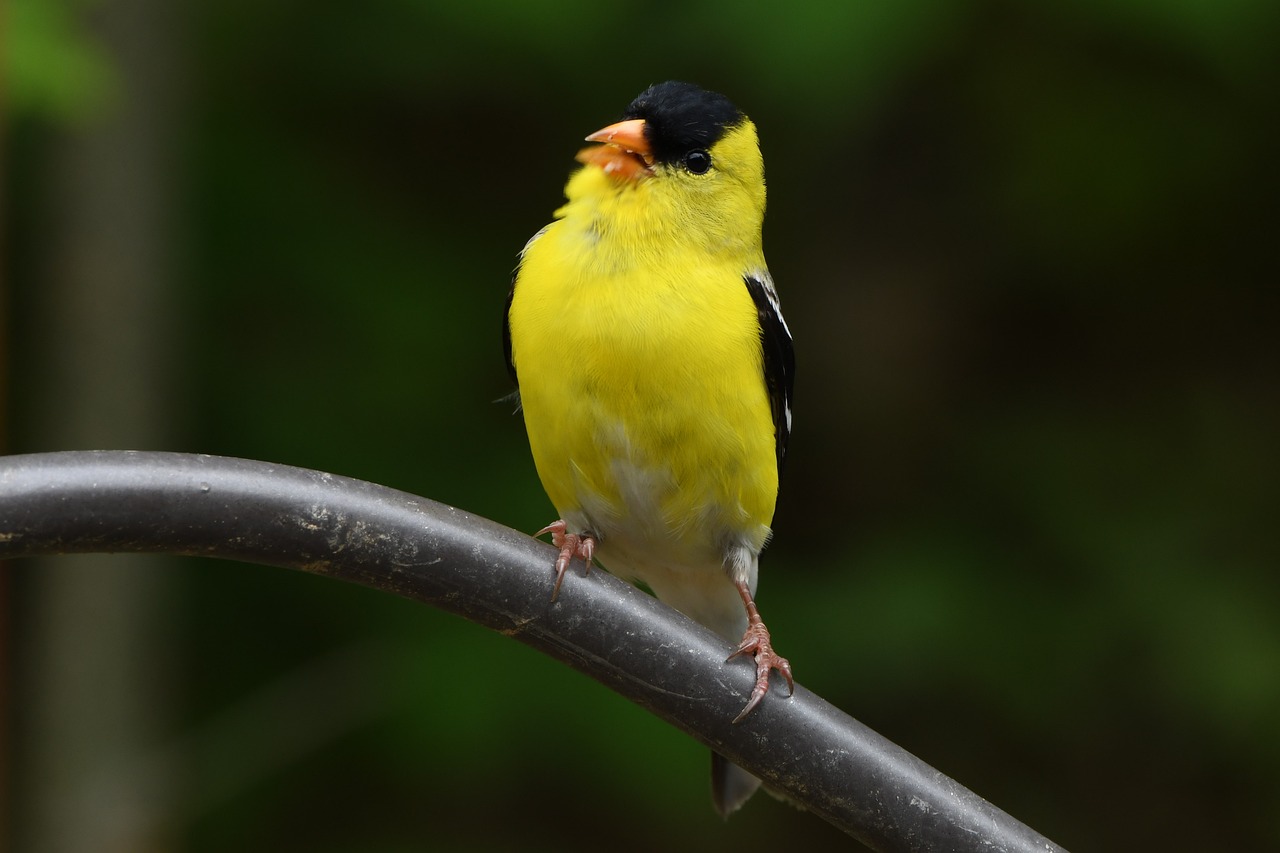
(1028,251)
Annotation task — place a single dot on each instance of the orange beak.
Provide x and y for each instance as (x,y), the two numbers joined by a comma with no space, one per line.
(625,154)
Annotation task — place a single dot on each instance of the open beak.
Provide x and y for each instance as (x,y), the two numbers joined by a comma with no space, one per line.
(624,155)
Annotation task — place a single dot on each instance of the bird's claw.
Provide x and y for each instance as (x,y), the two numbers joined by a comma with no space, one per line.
(756,642)
(571,545)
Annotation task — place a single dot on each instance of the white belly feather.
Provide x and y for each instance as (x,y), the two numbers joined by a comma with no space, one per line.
(688,562)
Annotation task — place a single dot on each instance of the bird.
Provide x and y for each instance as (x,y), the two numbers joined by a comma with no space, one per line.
(654,369)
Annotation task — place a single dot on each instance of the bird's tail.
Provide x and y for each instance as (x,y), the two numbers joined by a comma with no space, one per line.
(731,786)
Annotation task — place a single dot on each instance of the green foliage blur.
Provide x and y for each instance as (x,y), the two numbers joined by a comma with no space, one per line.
(1028,254)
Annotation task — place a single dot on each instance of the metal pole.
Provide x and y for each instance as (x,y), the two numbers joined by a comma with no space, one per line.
(258,512)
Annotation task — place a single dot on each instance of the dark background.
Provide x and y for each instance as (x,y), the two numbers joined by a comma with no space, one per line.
(1026,529)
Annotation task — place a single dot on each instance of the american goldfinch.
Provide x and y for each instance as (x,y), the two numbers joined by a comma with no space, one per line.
(655,370)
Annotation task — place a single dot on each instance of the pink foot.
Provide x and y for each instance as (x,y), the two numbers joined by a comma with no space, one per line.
(571,545)
(757,642)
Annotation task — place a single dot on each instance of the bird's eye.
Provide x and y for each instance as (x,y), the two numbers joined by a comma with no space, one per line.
(697,161)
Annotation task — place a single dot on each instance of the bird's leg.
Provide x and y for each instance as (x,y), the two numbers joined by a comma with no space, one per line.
(756,642)
(571,545)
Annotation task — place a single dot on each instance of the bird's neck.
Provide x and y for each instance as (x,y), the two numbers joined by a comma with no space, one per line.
(636,225)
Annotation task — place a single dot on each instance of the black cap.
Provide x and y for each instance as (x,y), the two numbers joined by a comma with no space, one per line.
(682,117)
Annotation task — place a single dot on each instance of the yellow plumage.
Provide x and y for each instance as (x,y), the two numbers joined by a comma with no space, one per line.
(641,361)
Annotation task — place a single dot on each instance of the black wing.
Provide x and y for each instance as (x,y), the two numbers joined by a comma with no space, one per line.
(506,333)
(779,355)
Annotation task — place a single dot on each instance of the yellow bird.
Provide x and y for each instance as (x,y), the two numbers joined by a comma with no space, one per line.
(655,370)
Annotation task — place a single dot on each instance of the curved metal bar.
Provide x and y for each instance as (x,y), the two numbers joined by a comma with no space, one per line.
(258,512)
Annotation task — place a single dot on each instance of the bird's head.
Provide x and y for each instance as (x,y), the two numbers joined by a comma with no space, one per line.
(690,154)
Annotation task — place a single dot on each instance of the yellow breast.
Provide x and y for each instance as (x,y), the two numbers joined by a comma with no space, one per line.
(642,387)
